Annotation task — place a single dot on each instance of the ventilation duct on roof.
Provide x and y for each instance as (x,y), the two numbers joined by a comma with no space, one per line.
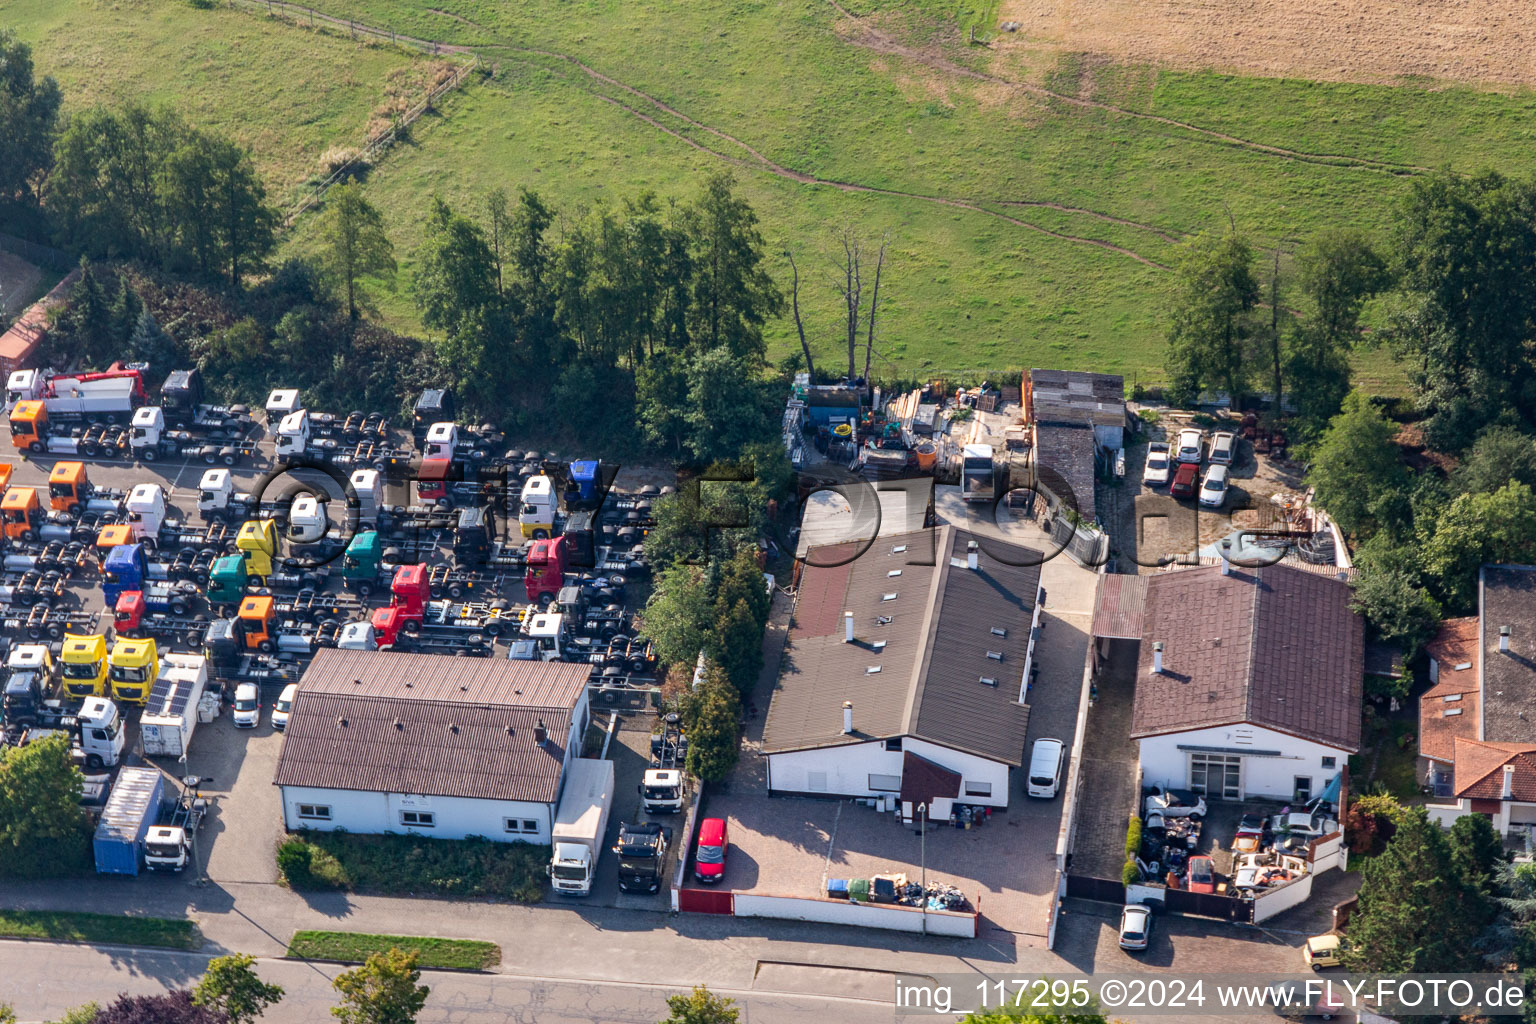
(1157,658)
(1504,632)
(847,717)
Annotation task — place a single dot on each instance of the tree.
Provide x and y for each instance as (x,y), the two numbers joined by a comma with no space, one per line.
(1339,271)
(42,831)
(728,406)
(231,986)
(1415,913)
(1213,300)
(29,120)
(1476,529)
(455,289)
(711,716)
(1356,465)
(661,400)
(85,1013)
(794,302)
(737,644)
(382,991)
(7,1015)
(174,1007)
(104,192)
(1390,593)
(217,207)
(353,243)
(733,294)
(851,288)
(1500,455)
(677,614)
(874,303)
(150,344)
(1476,851)
(701,1007)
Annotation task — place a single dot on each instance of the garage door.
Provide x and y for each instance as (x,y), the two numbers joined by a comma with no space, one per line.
(1217,775)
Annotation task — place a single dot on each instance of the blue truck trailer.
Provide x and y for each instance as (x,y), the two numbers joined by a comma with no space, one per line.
(131,811)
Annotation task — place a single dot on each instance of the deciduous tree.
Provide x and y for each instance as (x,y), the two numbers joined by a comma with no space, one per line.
(701,1006)
(733,293)
(1214,296)
(1473,530)
(381,991)
(174,1007)
(42,831)
(1339,272)
(1356,465)
(29,119)
(353,243)
(231,986)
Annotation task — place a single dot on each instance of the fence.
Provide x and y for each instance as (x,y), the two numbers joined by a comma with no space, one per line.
(384,138)
(42,255)
(963,925)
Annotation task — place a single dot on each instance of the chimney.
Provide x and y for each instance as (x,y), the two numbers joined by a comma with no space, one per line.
(1504,632)
(847,627)
(540,734)
(1508,790)
(1157,658)
(970,555)
(847,717)
(1226,566)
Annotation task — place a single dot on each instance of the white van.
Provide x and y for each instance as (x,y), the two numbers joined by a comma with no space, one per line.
(1045,768)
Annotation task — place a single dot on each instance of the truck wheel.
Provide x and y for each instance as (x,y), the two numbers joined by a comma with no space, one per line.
(229,458)
(29,535)
(37,447)
(149,455)
(73,509)
(546,599)
(93,761)
(411,625)
(364,589)
(265,647)
(455,590)
(541,534)
(211,457)
(178,608)
(493,629)
(55,631)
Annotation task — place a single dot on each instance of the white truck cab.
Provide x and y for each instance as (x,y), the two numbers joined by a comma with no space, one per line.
(442,439)
(293,433)
(368,490)
(542,639)
(214,491)
(148,425)
(101,732)
(307,521)
(357,636)
(166,848)
(280,404)
(22,386)
(145,506)
(661,790)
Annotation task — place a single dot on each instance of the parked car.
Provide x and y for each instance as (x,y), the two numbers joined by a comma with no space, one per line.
(1213,489)
(709,860)
(1223,448)
(1321,951)
(284,706)
(1176,803)
(1251,831)
(1202,874)
(1191,446)
(1184,478)
(1135,927)
(1158,465)
(1045,763)
(247,706)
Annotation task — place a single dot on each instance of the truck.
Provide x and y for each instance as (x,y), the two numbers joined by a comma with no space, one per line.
(71,491)
(581,825)
(536,507)
(151,439)
(228,658)
(132,668)
(170,716)
(168,845)
(547,561)
(218,499)
(412,615)
(132,810)
(83,661)
(435,405)
(110,394)
(661,788)
(978,475)
(181,398)
(642,850)
(31,686)
(126,569)
(95,733)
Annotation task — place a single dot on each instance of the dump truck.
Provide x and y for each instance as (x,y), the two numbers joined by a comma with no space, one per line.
(642,850)
(132,810)
(170,716)
(581,825)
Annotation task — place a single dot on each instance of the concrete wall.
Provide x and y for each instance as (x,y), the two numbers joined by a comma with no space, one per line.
(862,915)
(455,817)
(1164,764)
(1330,852)
(1270,902)
(848,768)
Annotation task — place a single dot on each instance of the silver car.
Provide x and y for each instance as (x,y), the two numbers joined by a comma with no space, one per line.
(1135,927)
(1158,465)
(1213,490)
(1191,446)
(1223,448)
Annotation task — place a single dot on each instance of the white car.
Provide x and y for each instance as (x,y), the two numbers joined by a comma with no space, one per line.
(247,706)
(1135,927)
(1224,448)
(1191,446)
(1213,489)
(1176,803)
(1158,465)
(284,706)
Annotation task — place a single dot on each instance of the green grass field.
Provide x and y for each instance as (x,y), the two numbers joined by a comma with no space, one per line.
(286,92)
(355,947)
(1032,202)
(67,926)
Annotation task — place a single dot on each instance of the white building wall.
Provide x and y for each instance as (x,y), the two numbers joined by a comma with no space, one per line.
(846,770)
(1164,764)
(453,817)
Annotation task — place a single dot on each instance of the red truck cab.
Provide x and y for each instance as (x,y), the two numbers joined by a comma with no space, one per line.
(545,575)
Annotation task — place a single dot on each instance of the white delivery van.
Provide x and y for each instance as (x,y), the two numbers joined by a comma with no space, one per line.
(1045,764)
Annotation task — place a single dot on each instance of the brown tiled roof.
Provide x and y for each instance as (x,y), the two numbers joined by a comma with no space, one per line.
(1452,707)
(1274,647)
(1120,606)
(1508,598)
(1077,397)
(382,721)
(935,635)
(922,780)
(1480,770)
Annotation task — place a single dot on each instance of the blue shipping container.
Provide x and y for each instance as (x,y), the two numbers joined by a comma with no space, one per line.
(131,811)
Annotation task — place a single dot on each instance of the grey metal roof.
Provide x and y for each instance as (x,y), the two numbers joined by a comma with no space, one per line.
(934,637)
(1508,598)
(1119,606)
(1077,398)
(427,724)
(1064,458)
(1275,647)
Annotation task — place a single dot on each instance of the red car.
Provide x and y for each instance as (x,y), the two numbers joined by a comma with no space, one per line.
(709,860)
(1202,874)
(1184,478)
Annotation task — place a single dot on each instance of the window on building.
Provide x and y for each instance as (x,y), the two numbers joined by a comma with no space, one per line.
(315,812)
(522,826)
(884,783)
(418,819)
(1303,789)
(978,789)
(1219,776)
(894,743)
(815,782)
(1330,762)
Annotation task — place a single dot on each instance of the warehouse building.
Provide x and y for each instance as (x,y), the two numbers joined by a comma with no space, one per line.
(380,741)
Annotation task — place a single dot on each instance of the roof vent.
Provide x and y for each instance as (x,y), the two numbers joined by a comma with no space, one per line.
(1157,657)
(399,725)
(995,655)
(1504,632)
(999,631)
(357,682)
(511,731)
(898,549)
(847,717)
(871,670)
(463,689)
(970,555)
(341,721)
(988,681)
(882,620)
(878,645)
(408,685)
(540,734)
(1451,712)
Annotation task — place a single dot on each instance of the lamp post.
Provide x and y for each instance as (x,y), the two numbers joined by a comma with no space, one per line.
(922,810)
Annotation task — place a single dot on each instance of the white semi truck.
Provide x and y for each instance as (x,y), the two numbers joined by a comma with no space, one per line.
(581,822)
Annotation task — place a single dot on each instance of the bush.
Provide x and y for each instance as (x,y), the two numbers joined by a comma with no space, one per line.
(474,867)
(1371,822)
(295,861)
(1130,874)
(1133,836)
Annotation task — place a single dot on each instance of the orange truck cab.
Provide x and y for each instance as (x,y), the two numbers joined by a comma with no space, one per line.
(109,537)
(68,486)
(21,512)
(29,426)
(5,476)
(254,623)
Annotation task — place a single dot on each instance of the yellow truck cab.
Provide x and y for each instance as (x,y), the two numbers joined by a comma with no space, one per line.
(85,665)
(133,666)
(257,541)
(29,425)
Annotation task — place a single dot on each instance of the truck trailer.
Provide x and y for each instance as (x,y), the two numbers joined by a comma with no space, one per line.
(581,823)
(170,717)
(132,810)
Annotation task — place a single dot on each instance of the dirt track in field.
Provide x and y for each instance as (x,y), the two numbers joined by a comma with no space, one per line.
(1486,42)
